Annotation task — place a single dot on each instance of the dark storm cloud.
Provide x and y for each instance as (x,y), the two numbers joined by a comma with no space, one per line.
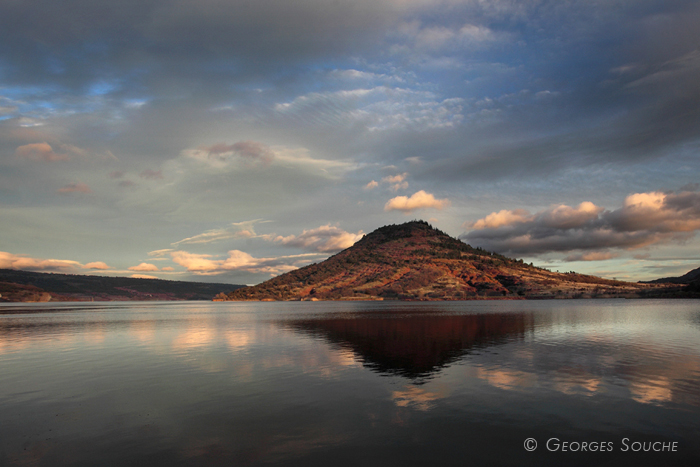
(80,43)
(644,219)
(618,86)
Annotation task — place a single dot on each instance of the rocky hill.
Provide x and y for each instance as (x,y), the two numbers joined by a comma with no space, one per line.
(414,261)
(25,286)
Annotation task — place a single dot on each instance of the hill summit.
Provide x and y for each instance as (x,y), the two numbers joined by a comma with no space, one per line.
(414,261)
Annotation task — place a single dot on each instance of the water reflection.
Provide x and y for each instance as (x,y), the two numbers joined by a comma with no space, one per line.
(416,347)
(415,397)
(344,383)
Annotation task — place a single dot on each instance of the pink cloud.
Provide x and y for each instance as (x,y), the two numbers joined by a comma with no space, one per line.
(592,256)
(75,188)
(12,261)
(395,178)
(142,276)
(40,151)
(96,265)
(324,239)
(419,200)
(144,267)
(397,182)
(501,218)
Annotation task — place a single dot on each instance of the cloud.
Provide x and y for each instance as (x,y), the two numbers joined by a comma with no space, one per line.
(406,79)
(149,174)
(41,152)
(644,219)
(431,39)
(371,185)
(324,239)
(74,188)
(144,267)
(419,200)
(116,174)
(142,276)
(592,256)
(500,218)
(239,261)
(376,109)
(397,182)
(415,397)
(249,151)
(12,261)
(236,230)
(196,263)
(160,253)
(27,263)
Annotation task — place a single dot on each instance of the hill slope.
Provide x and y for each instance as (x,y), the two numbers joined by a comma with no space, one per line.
(24,286)
(687,278)
(414,261)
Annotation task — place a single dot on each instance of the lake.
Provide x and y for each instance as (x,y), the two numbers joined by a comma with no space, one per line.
(510,383)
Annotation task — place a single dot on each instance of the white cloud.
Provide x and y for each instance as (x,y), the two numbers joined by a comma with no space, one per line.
(196,263)
(239,261)
(324,239)
(371,185)
(217,159)
(500,218)
(397,182)
(236,230)
(419,200)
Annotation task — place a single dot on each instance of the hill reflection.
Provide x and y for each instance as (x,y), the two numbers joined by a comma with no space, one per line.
(416,347)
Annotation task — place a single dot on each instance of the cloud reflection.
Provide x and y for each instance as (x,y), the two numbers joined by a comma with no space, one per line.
(652,391)
(415,397)
(506,379)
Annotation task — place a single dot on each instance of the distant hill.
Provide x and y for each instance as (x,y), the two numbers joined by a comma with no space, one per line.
(24,286)
(687,285)
(414,261)
(686,278)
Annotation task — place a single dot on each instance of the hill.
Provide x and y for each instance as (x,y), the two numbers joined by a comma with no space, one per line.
(25,286)
(687,278)
(414,261)
(686,286)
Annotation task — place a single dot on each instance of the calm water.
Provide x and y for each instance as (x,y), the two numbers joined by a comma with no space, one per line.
(350,383)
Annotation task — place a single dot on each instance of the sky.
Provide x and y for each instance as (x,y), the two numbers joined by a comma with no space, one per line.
(232,141)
